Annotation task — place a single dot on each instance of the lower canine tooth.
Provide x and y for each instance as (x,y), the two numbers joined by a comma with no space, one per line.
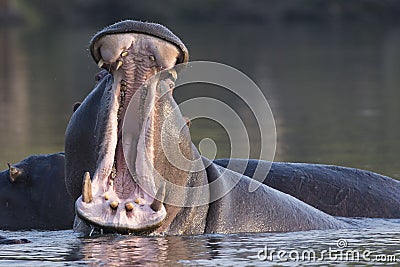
(87,188)
(159,198)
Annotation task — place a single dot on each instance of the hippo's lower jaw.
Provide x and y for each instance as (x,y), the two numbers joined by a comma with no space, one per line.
(120,197)
(120,220)
(133,213)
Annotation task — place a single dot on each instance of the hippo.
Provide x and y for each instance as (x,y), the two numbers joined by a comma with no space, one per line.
(33,195)
(131,166)
(347,192)
(338,191)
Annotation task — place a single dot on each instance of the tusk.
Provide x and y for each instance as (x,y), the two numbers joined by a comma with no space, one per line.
(119,64)
(100,63)
(124,54)
(159,198)
(87,188)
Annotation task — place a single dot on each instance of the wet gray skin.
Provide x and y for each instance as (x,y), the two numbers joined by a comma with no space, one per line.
(110,196)
(336,190)
(33,195)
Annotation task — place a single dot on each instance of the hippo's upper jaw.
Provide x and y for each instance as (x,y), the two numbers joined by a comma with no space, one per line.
(114,199)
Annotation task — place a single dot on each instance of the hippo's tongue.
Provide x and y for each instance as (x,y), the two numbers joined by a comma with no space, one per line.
(134,144)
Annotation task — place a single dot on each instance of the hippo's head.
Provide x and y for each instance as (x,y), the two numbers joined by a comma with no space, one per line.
(33,195)
(114,141)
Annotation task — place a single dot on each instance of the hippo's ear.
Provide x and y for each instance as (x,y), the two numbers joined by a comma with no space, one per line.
(76,106)
(15,173)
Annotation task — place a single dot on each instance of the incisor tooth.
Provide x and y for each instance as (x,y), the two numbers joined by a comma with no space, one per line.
(124,54)
(114,204)
(100,63)
(87,188)
(129,206)
(159,198)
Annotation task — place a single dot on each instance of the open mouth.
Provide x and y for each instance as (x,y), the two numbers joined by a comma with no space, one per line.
(123,194)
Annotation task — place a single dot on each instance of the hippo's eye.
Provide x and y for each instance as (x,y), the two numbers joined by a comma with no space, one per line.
(152,58)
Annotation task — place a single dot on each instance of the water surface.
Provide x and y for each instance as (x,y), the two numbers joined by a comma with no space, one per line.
(373,242)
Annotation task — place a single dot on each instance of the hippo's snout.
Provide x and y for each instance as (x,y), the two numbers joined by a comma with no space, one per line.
(123,194)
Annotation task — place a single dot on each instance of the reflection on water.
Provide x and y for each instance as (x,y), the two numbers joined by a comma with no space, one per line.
(42,73)
(337,97)
(61,248)
(130,250)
